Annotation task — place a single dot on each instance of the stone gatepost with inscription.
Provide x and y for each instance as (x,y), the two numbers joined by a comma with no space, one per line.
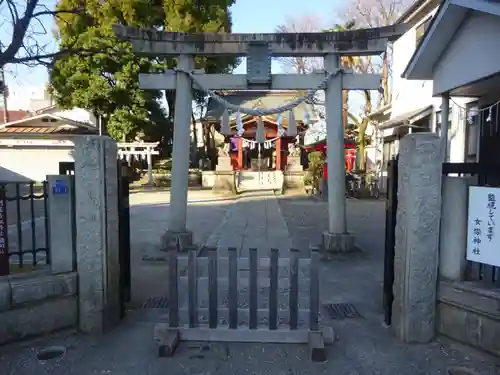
(417,237)
(97,240)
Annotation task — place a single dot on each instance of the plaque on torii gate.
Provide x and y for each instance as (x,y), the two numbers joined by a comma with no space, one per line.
(259,49)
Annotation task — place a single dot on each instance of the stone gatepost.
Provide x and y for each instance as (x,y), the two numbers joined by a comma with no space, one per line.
(453,236)
(417,237)
(97,243)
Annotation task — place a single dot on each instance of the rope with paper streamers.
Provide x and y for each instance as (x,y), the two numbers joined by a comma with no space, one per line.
(475,111)
(251,144)
(260,134)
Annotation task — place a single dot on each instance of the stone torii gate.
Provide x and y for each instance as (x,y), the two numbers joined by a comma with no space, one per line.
(141,150)
(259,48)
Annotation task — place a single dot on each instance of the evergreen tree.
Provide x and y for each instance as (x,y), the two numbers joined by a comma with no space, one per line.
(106,82)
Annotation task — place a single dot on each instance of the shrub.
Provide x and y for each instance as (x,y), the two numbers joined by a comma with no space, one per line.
(315,170)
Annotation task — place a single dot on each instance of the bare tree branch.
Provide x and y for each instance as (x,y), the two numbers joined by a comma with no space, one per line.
(27,24)
(47,59)
(303,24)
(377,13)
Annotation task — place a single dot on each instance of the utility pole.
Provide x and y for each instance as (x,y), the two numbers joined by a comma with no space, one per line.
(4,92)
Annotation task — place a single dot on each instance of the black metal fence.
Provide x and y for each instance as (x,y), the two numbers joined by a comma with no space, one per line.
(390,237)
(486,175)
(24,229)
(124,235)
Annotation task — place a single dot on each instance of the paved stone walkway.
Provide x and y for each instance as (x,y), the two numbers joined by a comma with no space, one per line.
(252,222)
(363,345)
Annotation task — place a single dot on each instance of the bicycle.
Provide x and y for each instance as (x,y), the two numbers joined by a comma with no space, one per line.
(372,186)
(353,185)
(374,189)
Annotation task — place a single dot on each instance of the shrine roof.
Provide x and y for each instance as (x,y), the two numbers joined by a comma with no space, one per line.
(257,99)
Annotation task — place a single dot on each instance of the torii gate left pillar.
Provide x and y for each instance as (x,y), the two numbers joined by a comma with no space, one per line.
(259,48)
(177,230)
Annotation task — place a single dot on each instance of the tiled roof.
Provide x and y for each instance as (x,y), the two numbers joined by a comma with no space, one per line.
(46,124)
(45,130)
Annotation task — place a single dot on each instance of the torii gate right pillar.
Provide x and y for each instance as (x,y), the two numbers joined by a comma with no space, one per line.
(336,239)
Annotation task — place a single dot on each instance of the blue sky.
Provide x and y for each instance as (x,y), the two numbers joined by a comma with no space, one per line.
(260,16)
(263,16)
(249,16)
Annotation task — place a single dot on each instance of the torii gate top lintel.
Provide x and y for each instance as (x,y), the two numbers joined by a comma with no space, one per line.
(361,42)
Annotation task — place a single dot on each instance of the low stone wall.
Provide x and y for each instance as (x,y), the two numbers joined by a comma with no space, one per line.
(37,303)
(294,180)
(470,313)
(207,179)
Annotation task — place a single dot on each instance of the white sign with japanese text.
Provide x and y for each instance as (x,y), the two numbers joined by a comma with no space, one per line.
(483,237)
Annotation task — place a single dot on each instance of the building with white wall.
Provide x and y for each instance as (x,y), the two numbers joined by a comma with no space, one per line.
(414,107)
(32,148)
(460,54)
(75,114)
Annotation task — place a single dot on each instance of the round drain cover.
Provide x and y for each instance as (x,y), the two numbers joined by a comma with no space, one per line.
(51,352)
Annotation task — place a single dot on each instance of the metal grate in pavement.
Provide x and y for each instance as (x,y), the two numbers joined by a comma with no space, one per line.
(342,311)
(160,302)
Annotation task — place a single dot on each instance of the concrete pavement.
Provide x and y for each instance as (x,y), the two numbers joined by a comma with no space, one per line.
(148,221)
(363,346)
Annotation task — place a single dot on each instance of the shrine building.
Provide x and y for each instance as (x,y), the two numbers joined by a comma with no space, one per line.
(248,155)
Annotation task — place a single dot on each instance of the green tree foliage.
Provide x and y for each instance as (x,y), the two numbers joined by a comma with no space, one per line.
(199,16)
(106,82)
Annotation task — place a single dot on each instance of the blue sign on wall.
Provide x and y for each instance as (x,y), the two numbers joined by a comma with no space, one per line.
(60,188)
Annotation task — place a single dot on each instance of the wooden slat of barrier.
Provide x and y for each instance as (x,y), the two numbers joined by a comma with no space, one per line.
(293,299)
(193,288)
(263,281)
(291,325)
(233,288)
(314,290)
(173,306)
(253,290)
(244,334)
(213,288)
(273,290)
(263,263)
(224,313)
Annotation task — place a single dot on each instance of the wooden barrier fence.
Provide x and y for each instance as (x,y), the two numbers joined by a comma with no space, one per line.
(223,303)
